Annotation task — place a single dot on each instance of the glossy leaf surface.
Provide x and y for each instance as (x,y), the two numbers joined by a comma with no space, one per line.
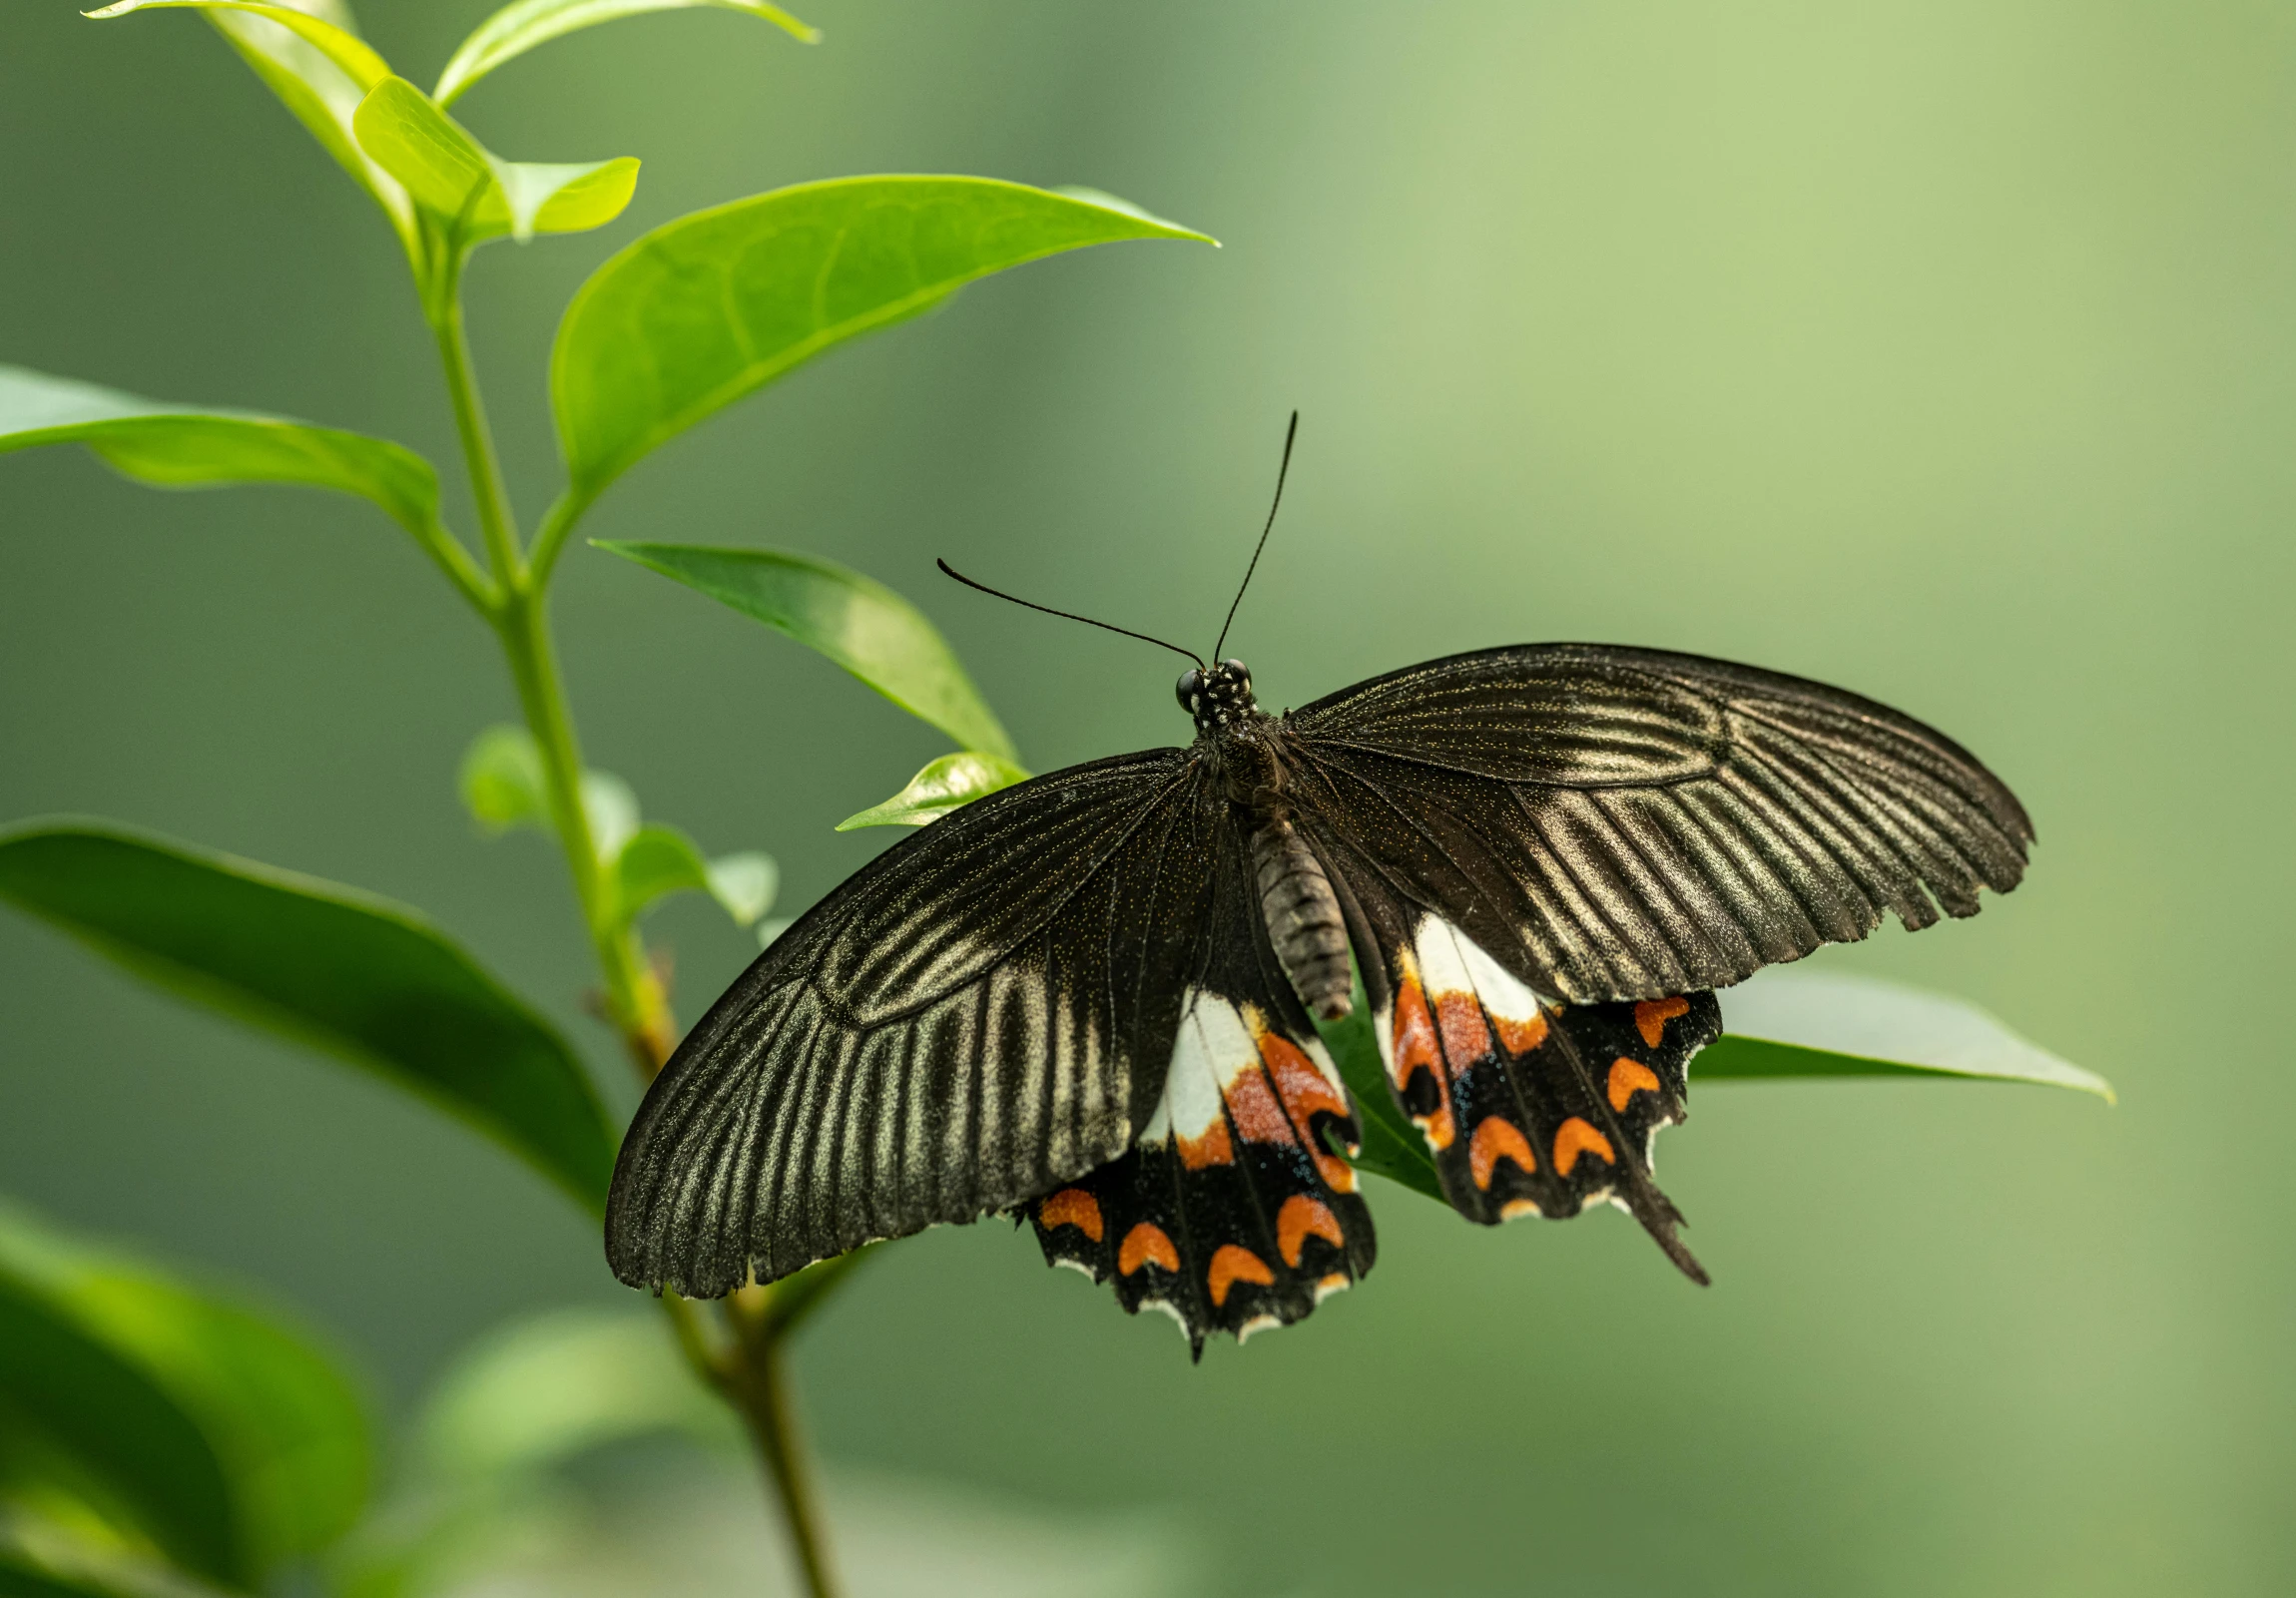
(453,175)
(520,26)
(358,976)
(856,622)
(949,783)
(235,1444)
(310,55)
(178,446)
(715,305)
(1787,1023)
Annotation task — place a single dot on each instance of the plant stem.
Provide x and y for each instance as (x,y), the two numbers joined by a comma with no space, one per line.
(748,1373)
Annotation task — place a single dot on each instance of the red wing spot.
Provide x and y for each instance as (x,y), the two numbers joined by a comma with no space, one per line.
(1575,1138)
(1521,1037)
(1628,1078)
(1233,1263)
(1072,1207)
(1146,1244)
(1465,1037)
(1651,1016)
(1414,1051)
(1306,1093)
(1494,1140)
(1209,1147)
(1303,1218)
(1252,1106)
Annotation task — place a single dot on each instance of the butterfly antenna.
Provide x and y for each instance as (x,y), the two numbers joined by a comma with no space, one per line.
(951,571)
(1290,434)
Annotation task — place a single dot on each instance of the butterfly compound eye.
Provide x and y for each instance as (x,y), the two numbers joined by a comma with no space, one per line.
(1190,683)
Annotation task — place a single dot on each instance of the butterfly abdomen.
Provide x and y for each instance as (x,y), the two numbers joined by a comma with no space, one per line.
(1302,916)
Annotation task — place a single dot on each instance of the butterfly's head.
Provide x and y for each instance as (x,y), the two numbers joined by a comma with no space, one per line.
(1220,696)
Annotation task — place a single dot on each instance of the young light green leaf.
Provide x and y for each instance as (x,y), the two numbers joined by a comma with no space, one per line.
(949,783)
(710,307)
(1391,1146)
(180,446)
(367,980)
(25,1573)
(745,884)
(310,53)
(1786,1024)
(232,1441)
(860,624)
(659,860)
(501,780)
(454,176)
(520,26)
(611,806)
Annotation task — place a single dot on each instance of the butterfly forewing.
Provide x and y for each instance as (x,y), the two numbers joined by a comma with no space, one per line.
(1616,824)
(984,1011)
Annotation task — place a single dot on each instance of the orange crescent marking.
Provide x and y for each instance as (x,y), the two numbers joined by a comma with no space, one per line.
(1231,1264)
(1209,1147)
(1651,1016)
(1465,1037)
(1521,1037)
(1146,1244)
(1498,1138)
(1072,1207)
(1307,1092)
(1302,1217)
(1575,1138)
(1628,1078)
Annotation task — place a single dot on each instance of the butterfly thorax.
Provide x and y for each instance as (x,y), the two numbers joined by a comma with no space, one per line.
(1247,750)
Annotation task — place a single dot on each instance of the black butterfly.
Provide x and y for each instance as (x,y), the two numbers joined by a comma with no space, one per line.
(1086,998)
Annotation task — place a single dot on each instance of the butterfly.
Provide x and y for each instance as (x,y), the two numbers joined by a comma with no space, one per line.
(1089,1000)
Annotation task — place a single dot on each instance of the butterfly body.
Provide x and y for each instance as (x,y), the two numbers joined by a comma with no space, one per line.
(1088,999)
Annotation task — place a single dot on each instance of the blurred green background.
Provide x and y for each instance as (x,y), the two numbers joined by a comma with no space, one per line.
(1941,350)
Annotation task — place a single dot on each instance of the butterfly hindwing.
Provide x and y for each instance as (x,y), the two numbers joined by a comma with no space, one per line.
(1230,1212)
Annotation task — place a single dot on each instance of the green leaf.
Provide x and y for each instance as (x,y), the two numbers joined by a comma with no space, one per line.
(1391,1146)
(458,179)
(860,624)
(1787,1023)
(501,780)
(348,973)
(520,26)
(180,446)
(949,783)
(657,860)
(231,1441)
(715,305)
(546,1390)
(310,53)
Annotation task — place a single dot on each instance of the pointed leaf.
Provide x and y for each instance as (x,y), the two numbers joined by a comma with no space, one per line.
(654,862)
(520,26)
(231,1440)
(717,304)
(1785,1023)
(356,975)
(311,56)
(501,780)
(180,446)
(949,783)
(860,624)
(454,176)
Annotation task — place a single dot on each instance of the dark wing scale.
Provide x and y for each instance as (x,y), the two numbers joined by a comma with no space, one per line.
(981,1013)
(1619,824)
(1230,1212)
